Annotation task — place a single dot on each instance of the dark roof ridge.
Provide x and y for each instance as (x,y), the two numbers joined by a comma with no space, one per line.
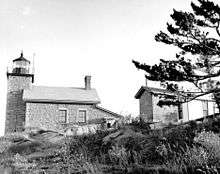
(152,89)
(21,58)
(160,89)
(44,86)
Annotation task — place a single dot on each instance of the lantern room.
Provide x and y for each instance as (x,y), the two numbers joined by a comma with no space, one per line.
(21,65)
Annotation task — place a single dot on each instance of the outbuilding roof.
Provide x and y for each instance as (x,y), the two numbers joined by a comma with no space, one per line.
(60,95)
(109,112)
(152,90)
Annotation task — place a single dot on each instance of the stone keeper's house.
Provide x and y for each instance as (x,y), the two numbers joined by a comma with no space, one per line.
(53,108)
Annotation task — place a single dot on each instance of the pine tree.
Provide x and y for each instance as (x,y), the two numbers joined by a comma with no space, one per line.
(197,35)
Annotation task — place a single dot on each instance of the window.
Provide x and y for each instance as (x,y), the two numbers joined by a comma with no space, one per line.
(205,108)
(82,116)
(63,115)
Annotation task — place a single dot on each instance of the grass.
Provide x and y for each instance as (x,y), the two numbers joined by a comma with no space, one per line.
(133,148)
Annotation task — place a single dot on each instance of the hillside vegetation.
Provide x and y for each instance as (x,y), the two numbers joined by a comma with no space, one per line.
(132,148)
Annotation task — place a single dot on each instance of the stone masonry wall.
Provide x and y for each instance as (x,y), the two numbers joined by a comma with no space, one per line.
(15,107)
(15,112)
(46,115)
(18,83)
(165,114)
(146,108)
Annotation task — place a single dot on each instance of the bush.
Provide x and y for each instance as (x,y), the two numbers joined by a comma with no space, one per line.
(140,126)
(212,125)
(130,149)
(211,142)
(180,136)
(4,145)
(202,156)
(91,144)
(192,160)
(21,163)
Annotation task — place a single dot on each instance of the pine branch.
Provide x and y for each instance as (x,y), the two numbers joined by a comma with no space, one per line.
(199,77)
(217,27)
(202,94)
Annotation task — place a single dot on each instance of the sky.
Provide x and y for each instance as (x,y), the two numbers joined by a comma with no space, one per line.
(74,38)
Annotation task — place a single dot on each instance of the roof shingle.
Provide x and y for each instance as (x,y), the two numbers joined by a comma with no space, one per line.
(153,90)
(61,95)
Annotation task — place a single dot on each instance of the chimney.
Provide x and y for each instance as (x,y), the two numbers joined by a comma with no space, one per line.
(87,82)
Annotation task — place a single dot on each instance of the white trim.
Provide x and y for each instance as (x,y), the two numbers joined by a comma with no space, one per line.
(82,109)
(67,114)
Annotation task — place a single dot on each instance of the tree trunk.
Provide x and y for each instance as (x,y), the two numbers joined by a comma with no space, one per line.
(217,99)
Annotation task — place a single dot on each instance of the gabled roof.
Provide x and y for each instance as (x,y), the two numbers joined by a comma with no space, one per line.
(60,95)
(153,91)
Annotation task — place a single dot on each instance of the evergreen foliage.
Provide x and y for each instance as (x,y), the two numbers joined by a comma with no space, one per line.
(196,34)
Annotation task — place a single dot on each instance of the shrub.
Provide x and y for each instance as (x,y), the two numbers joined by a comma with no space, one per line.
(20,163)
(211,142)
(119,155)
(215,127)
(210,124)
(149,152)
(91,144)
(191,160)
(180,136)
(202,156)
(140,126)
(4,145)
(26,147)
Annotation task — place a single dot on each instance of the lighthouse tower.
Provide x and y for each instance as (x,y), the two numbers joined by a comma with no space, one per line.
(19,78)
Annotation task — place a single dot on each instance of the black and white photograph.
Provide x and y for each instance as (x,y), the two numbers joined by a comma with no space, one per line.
(110,87)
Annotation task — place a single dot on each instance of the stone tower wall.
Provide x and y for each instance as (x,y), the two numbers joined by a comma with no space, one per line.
(15,107)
